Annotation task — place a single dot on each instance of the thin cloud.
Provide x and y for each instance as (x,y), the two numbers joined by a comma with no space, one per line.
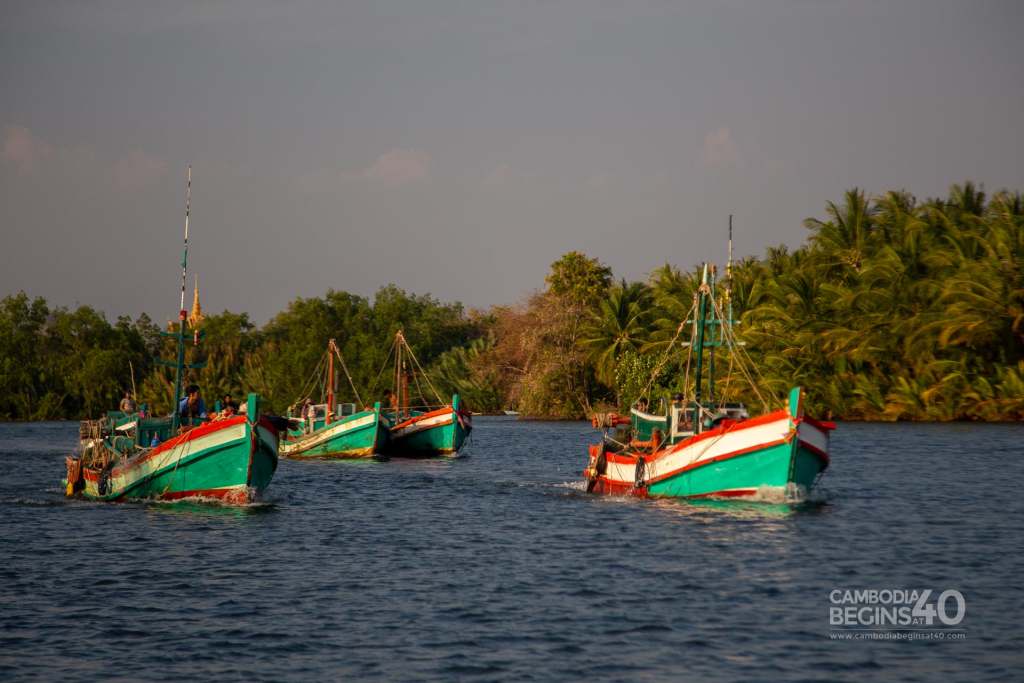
(136,170)
(23,150)
(399,166)
(499,175)
(720,149)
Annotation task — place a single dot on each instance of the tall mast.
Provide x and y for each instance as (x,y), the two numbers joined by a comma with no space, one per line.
(330,381)
(702,310)
(728,276)
(398,373)
(179,369)
(715,336)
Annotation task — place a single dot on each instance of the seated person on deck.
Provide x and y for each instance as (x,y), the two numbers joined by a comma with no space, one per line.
(192,405)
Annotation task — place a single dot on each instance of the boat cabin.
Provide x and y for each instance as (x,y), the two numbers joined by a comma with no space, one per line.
(340,410)
(677,422)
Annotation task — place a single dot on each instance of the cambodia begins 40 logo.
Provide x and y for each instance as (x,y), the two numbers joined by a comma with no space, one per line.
(895,609)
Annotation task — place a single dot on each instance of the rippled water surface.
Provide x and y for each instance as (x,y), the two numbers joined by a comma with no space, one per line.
(497,566)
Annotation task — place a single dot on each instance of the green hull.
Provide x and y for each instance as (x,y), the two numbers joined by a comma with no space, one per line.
(445,437)
(361,435)
(232,461)
(774,467)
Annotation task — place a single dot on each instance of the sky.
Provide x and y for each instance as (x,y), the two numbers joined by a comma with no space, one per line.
(458,148)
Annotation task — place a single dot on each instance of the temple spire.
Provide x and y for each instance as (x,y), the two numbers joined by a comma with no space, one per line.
(196,316)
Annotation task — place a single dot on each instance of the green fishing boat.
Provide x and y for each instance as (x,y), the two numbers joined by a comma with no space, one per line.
(230,457)
(330,429)
(422,428)
(699,445)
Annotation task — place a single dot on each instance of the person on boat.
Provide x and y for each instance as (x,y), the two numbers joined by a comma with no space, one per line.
(128,404)
(192,405)
(155,441)
(228,409)
(641,404)
(309,412)
(391,400)
(677,403)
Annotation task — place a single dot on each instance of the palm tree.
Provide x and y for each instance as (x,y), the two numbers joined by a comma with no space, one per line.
(847,234)
(618,325)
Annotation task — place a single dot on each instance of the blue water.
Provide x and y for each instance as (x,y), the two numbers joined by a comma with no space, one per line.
(496,566)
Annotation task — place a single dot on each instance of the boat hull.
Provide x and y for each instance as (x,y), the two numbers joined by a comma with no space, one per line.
(361,435)
(739,460)
(439,432)
(230,460)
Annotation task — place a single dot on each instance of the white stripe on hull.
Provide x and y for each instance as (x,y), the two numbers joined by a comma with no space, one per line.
(122,477)
(683,456)
(436,421)
(326,434)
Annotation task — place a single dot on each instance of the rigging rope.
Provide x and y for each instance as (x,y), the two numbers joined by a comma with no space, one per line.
(344,367)
(309,382)
(664,356)
(744,358)
(422,371)
(373,387)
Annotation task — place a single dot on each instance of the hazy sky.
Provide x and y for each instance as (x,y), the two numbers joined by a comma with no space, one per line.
(458,148)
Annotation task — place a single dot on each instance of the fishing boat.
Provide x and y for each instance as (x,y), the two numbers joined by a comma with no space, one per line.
(330,429)
(128,455)
(701,446)
(423,429)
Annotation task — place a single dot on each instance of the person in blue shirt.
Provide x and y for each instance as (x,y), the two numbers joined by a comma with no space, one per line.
(192,405)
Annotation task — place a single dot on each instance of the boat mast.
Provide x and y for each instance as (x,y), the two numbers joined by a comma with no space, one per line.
(398,373)
(728,275)
(702,310)
(715,323)
(179,369)
(330,382)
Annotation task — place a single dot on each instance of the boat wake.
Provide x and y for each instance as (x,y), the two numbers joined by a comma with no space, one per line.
(790,494)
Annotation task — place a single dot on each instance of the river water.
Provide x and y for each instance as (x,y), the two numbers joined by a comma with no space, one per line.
(497,566)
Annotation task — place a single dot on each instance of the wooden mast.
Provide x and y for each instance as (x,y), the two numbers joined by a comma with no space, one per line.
(702,313)
(330,382)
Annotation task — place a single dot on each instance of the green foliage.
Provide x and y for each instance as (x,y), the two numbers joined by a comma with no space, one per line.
(895,309)
(470,372)
(58,362)
(580,279)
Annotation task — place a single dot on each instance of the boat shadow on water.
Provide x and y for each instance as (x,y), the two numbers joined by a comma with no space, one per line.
(769,503)
(200,507)
(735,509)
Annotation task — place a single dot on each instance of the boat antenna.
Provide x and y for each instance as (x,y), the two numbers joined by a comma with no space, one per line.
(182,313)
(184,253)
(728,267)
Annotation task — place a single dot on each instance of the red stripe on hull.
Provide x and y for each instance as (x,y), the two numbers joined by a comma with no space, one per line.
(732,493)
(608,487)
(613,488)
(242,495)
(815,450)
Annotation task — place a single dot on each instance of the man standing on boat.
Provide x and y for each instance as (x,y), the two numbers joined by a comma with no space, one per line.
(309,412)
(128,403)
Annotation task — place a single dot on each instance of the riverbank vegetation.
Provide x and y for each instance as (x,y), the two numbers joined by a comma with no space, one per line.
(894,309)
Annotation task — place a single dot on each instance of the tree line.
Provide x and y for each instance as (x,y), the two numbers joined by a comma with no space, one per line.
(894,309)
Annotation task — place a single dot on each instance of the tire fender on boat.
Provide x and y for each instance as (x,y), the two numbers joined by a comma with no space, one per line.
(599,468)
(640,472)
